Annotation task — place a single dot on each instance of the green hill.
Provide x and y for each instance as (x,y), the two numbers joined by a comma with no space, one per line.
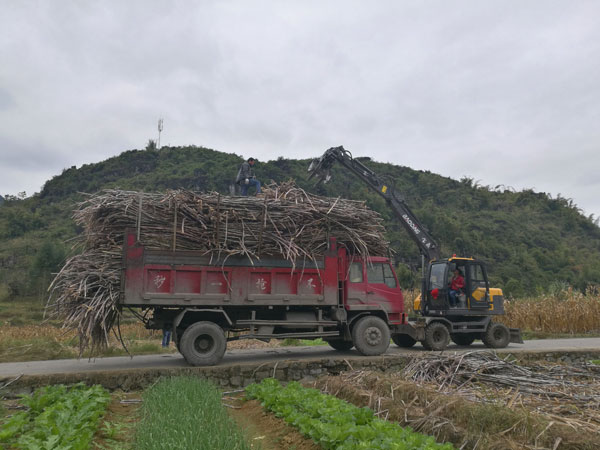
(531,242)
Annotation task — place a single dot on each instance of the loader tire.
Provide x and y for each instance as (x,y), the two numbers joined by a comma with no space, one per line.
(340,344)
(463,339)
(371,336)
(496,336)
(203,344)
(403,340)
(437,337)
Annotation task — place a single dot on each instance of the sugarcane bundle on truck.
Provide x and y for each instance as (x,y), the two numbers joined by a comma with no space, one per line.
(216,268)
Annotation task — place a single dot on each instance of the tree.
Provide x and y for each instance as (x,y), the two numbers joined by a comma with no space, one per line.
(47,261)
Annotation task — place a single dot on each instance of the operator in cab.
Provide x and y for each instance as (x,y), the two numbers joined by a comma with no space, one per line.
(457,284)
(246,178)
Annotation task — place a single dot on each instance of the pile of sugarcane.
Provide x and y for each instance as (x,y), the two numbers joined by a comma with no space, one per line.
(486,367)
(285,221)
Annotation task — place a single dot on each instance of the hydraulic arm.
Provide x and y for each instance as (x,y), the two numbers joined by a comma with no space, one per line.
(320,168)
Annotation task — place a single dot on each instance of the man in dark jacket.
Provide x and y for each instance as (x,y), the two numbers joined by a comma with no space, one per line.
(246,178)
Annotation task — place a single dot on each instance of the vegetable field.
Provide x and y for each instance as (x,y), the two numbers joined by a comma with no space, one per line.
(438,401)
(56,417)
(334,423)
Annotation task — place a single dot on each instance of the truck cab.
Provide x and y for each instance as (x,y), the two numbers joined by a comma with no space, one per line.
(373,285)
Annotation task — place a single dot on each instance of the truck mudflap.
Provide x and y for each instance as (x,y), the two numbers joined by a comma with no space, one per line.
(515,336)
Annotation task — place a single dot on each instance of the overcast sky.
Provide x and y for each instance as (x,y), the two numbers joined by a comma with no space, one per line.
(505,92)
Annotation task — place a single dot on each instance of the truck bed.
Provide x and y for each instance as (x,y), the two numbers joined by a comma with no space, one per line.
(165,278)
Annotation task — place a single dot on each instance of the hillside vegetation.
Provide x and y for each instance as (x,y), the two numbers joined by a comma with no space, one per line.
(532,242)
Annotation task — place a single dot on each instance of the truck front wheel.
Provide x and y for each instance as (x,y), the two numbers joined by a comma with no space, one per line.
(371,336)
(403,340)
(203,344)
(437,336)
(496,336)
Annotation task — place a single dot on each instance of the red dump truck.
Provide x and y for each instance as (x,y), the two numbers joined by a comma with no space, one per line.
(345,300)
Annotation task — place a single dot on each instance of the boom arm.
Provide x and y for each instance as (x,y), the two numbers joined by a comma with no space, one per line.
(320,168)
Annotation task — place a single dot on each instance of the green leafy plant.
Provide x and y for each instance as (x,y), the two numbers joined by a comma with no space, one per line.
(58,417)
(334,423)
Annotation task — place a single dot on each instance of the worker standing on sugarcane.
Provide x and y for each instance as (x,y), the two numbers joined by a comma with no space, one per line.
(246,178)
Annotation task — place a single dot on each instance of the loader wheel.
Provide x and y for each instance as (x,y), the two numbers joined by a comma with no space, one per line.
(403,340)
(371,336)
(340,344)
(437,337)
(462,338)
(496,336)
(203,344)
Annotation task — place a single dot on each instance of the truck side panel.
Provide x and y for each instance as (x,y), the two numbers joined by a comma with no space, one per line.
(163,278)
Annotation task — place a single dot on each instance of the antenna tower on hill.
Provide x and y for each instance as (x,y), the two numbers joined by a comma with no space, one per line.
(160,128)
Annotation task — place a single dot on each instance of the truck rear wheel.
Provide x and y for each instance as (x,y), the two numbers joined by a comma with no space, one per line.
(403,340)
(371,336)
(437,336)
(203,344)
(496,336)
(340,344)
(462,338)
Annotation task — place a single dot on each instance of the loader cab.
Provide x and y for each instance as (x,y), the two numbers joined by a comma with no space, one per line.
(474,298)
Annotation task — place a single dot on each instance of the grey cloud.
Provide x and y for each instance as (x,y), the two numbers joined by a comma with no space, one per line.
(6,100)
(502,91)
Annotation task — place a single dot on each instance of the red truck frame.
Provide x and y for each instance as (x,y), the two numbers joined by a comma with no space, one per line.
(346,300)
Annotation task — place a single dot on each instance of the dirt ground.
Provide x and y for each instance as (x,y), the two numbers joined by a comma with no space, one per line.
(475,413)
(264,430)
(118,421)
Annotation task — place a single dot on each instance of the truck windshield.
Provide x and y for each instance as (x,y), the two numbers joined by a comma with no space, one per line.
(436,276)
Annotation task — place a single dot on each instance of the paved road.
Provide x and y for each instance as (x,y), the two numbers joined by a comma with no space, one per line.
(234,357)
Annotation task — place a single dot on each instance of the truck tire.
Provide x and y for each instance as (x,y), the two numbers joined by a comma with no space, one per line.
(203,344)
(340,344)
(462,338)
(496,336)
(437,337)
(403,340)
(371,336)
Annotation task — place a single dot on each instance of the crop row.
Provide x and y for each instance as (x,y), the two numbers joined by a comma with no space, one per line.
(186,413)
(334,423)
(57,417)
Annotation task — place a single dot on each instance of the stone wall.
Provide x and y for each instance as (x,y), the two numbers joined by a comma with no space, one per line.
(239,376)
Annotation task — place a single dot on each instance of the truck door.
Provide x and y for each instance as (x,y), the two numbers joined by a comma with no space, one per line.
(382,287)
(437,289)
(477,287)
(356,286)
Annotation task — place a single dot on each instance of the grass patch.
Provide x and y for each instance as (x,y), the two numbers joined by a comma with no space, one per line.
(34,349)
(186,413)
(289,342)
(41,349)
